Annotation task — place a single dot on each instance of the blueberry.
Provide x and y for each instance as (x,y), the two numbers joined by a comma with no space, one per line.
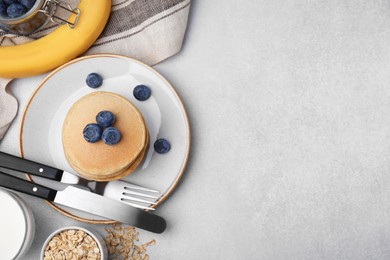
(92,133)
(142,92)
(16,10)
(3,9)
(94,80)
(162,146)
(27,3)
(105,118)
(10,2)
(111,136)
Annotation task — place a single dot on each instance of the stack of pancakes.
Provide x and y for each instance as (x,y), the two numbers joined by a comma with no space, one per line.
(99,161)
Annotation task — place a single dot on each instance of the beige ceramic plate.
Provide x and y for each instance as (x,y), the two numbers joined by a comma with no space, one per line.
(164,114)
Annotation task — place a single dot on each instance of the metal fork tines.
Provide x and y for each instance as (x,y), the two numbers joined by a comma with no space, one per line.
(129,193)
(134,195)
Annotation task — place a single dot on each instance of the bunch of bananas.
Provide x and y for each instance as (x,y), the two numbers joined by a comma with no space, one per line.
(58,47)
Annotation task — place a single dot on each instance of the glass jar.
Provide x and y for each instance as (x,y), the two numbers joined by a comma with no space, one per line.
(40,13)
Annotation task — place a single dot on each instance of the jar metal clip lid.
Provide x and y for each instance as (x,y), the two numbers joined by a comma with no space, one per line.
(49,8)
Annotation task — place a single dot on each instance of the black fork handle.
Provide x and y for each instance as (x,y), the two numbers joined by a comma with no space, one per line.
(23,165)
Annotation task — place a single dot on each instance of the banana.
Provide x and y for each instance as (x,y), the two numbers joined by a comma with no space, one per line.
(58,47)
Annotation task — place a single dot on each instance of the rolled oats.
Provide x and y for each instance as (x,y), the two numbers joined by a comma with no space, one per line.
(120,241)
(72,244)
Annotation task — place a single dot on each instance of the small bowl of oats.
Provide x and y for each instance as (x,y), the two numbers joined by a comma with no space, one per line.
(74,243)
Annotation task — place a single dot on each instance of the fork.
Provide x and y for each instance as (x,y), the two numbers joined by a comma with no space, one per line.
(131,194)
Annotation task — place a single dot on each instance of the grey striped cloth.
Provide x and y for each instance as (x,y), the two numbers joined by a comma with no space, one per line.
(147,30)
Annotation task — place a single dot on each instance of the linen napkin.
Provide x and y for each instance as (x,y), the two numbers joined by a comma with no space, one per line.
(147,30)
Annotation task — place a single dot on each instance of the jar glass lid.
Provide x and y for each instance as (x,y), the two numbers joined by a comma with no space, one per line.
(13,225)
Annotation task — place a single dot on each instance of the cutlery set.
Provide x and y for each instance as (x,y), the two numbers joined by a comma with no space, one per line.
(116,200)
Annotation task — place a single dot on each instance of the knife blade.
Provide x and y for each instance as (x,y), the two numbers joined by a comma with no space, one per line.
(88,202)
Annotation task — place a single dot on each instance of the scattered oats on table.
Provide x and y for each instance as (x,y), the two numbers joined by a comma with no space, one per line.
(121,245)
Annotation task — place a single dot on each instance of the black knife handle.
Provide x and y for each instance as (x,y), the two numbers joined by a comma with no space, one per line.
(17,184)
(151,222)
(23,165)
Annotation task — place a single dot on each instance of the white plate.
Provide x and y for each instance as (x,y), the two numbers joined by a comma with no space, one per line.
(164,114)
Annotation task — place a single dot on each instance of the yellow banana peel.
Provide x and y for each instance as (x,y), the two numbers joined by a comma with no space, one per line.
(58,47)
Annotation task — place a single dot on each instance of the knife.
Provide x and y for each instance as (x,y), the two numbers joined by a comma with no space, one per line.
(88,202)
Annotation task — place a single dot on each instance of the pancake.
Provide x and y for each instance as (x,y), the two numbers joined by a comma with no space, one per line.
(99,161)
(123,173)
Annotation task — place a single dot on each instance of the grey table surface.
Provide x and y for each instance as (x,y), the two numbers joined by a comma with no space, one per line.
(289,106)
